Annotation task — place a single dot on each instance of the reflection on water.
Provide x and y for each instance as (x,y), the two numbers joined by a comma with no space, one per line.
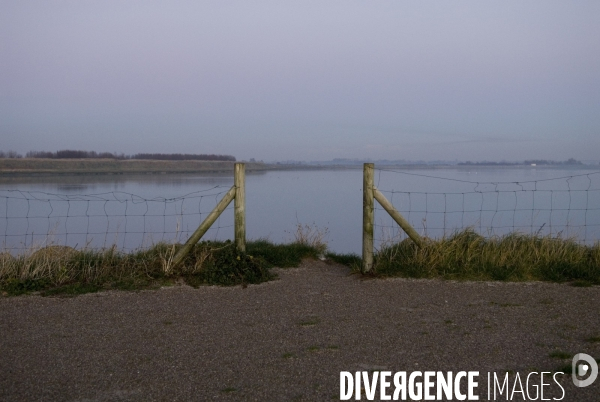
(111,181)
(72,187)
(136,211)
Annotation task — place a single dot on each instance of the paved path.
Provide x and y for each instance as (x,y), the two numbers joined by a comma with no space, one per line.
(287,339)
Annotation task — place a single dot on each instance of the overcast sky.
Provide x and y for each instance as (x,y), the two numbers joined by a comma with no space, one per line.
(304,80)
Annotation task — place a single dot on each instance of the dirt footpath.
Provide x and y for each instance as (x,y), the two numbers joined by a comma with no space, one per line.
(289,339)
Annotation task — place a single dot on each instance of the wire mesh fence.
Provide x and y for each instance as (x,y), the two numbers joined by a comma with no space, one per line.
(435,206)
(33,219)
(567,206)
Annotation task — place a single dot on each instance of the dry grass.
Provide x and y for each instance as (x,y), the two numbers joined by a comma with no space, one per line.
(61,269)
(468,255)
(465,255)
(311,236)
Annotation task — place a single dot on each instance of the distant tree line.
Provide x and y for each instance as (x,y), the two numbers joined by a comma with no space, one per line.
(10,154)
(75,154)
(183,157)
(570,162)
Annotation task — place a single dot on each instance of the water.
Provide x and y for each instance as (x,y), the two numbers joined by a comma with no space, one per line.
(137,211)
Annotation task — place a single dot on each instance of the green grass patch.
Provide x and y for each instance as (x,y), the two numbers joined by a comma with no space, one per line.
(559,354)
(281,255)
(15,286)
(581,284)
(309,322)
(72,289)
(469,256)
(565,368)
(59,270)
(505,304)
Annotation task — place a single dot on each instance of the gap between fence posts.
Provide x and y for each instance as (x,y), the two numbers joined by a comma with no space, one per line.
(237,192)
(370,192)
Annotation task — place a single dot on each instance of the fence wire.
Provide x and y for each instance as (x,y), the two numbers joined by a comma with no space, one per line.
(567,207)
(33,219)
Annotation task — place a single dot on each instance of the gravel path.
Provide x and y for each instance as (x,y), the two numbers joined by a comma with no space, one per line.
(287,339)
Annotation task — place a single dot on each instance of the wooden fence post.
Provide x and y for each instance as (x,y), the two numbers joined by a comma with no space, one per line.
(368,217)
(240,206)
(370,194)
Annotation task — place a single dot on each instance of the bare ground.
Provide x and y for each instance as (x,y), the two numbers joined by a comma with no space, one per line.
(288,339)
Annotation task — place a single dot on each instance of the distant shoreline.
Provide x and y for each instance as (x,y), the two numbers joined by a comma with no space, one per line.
(32,167)
(51,167)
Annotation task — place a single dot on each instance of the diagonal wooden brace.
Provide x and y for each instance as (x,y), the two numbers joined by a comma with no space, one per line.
(412,233)
(204,226)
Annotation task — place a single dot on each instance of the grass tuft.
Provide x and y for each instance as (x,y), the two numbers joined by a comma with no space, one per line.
(311,236)
(514,257)
(58,270)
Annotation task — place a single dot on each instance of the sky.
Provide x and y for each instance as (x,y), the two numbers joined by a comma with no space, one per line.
(303,80)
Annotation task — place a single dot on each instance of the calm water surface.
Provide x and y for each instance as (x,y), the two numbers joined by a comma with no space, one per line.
(135,211)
